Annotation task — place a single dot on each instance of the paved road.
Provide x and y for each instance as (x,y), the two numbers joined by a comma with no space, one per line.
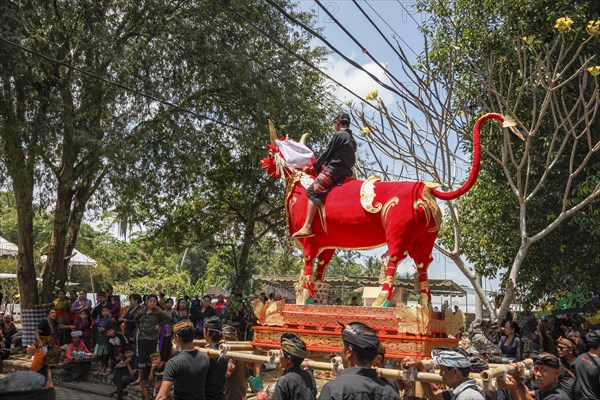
(72,394)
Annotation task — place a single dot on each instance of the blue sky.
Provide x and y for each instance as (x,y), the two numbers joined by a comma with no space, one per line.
(403,20)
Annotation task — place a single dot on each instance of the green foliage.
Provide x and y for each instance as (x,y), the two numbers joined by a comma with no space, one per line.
(95,146)
(498,38)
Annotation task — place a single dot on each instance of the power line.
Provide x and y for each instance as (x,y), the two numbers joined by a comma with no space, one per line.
(332,47)
(427,108)
(298,56)
(407,93)
(307,62)
(388,25)
(120,85)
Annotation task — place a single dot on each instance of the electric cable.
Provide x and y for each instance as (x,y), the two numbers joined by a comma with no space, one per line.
(351,62)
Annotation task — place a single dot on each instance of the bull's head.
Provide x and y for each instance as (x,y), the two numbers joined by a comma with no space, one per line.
(268,163)
(272,164)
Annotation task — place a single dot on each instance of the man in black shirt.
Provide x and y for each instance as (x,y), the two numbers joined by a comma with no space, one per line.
(186,372)
(336,162)
(546,369)
(101,301)
(587,369)
(215,379)
(296,383)
(358,381)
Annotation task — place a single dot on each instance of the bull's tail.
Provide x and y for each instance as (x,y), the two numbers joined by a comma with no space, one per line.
(476,162)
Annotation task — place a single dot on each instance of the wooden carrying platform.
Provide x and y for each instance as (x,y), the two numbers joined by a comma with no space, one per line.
(402,330)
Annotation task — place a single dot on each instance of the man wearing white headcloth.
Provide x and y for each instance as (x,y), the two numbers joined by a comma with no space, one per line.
(77,360)
(454,370)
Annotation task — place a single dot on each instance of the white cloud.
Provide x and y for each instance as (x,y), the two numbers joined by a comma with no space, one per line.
(356,80)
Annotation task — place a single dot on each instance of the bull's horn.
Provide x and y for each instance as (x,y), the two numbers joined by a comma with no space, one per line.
(303,138)
(272,132)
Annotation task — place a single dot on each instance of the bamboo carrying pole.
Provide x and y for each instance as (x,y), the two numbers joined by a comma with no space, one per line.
(331,366)
(242,346)
(502,369)
(428,364)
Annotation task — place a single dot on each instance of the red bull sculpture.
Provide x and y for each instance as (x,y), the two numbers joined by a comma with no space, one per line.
(368,214)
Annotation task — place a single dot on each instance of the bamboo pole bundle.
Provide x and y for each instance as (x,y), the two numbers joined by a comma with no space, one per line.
(332,366)
(502,369)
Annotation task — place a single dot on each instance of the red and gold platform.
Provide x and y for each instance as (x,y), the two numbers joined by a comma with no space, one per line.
(404,331)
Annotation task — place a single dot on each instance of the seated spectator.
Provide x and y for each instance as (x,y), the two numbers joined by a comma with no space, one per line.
(124,372)
(510,345)
(78,358)
(9,328)
(157,369)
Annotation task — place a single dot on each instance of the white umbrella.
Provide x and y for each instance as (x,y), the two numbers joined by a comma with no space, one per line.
(77,259)
(7,248)
(80,259)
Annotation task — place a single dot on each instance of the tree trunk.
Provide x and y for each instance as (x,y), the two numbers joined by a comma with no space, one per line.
(55,263)
(26,275)
(241,278)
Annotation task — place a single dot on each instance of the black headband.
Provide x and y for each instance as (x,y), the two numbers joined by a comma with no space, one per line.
(364,341)
(212,323)
(593,339)
(547,360)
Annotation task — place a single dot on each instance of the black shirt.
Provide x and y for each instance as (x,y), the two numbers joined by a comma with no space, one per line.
(199,316)
(97,311)
(215,379)
(187,370)
(587,384)
(566,379)
(296,384)
(44,328)
(340,154)
(358,383)
(556,394)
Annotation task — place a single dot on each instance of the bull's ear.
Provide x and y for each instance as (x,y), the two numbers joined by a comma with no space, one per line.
(272,132)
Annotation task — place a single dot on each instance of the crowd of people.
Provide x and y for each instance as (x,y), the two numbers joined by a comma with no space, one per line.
(131,343)
(149,342)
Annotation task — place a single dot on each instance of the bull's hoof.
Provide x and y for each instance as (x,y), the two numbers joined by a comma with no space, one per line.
(309,301)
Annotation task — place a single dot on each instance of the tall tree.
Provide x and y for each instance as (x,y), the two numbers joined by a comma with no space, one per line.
(96,144)
(534,62)
(470,46)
